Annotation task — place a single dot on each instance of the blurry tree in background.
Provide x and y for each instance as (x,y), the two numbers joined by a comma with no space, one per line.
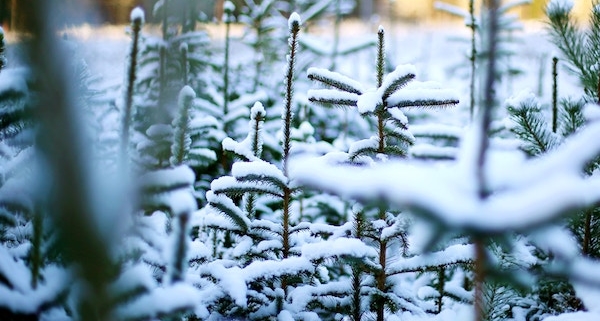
(117,11)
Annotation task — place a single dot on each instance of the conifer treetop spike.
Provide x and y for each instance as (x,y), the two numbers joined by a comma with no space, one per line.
(258,110)
(294,21)
(137,15)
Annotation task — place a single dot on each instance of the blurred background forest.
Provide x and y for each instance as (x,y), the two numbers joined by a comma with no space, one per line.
(13,12)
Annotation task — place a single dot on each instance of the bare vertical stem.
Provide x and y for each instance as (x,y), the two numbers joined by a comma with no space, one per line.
(2,49)
(485,120)
(294,25)
(35,254)
(165,20)
(162,72)
(441,286)
(587,232)
(381,280)
(184,63)
(480,260)
(554,94)
(598,92)
(336,34)
(228,14)
(489,102)
(136,25)
(357,270)
(473,57)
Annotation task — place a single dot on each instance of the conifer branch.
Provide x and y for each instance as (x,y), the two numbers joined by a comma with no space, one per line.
(396,80)
(240,188)
(335,80)
(531,127)
(226,206)
(425,103)
(328,97)
(571,116)
(567,37)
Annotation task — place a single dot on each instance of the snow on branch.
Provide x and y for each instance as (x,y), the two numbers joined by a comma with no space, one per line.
(455,254)
(161,302)
(333,97)
(524,195)
(226,206)
(259,171)
(335,80)
(337,248)
(232,187)
(451,9)
(397,79)
(167,179)
(423,94)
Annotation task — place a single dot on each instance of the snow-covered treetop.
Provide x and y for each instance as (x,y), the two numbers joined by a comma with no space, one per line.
(228,6)
(183,47)
(257,109)
(294,20)
(137,15)
(187,93)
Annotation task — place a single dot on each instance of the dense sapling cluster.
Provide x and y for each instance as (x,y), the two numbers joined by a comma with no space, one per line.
(170,208)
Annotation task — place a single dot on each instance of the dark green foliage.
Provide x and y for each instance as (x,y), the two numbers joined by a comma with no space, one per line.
(579,47)
(15,107)
(2,50)
(531,127)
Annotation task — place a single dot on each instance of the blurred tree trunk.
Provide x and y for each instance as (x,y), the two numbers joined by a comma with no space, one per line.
(218,9)
(18,19)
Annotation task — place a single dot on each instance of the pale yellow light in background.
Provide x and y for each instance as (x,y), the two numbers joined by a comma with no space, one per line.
(424,9)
